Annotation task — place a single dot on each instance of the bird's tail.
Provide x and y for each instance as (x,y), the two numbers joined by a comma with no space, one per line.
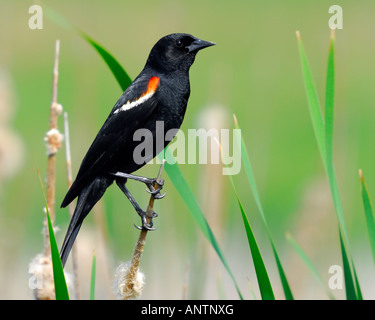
(87,198)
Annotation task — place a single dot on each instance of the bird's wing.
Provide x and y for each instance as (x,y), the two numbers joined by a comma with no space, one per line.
(129,113)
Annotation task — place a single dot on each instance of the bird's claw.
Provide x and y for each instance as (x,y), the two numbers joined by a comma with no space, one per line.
(146,225)
(145,228)
(155,192)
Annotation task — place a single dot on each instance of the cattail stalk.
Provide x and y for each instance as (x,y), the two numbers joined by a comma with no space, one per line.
(40,268)
(68,158)
(132,274)
(53,139)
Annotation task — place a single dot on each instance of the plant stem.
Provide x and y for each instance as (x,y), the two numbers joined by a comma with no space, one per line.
(136,260)
(53,144)
(68,157)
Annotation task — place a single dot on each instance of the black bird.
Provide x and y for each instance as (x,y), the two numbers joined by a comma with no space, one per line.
(159,94)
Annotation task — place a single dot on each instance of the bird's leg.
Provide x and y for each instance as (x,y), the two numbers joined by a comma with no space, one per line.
(150,183)
(141,213)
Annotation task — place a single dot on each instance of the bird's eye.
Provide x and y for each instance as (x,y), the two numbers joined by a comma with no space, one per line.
(179,43)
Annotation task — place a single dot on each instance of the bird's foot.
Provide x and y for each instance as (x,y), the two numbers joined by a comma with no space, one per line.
(145,224)
(155,192)
(149,182)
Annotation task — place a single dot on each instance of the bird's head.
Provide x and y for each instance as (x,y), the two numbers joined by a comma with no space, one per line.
(176,51)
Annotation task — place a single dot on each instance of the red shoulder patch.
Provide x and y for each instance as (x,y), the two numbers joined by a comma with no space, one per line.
(153,84)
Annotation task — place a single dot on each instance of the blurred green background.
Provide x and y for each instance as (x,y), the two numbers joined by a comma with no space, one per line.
(254,72)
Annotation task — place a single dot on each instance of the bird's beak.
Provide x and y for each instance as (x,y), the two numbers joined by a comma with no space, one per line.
(199,44)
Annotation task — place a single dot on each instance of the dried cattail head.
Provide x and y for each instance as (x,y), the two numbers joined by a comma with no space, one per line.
(128,282)
(41,278)
(53,139)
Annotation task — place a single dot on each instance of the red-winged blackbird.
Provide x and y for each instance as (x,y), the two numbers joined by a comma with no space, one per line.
(159,93)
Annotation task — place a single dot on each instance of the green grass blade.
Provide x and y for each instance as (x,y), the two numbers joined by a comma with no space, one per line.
(57,18)
(308,263)
(329,101)
(369,214)
(264,282)
(329,112)
(251,289)
(93,274)
(188,197)
(284,281)
(357,287)
(250,173)
(313,100)
(349,283)
(329,116)
(118,71)
(251,179)
(61,289)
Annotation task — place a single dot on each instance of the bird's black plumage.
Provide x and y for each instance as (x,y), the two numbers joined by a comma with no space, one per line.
(159,93)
